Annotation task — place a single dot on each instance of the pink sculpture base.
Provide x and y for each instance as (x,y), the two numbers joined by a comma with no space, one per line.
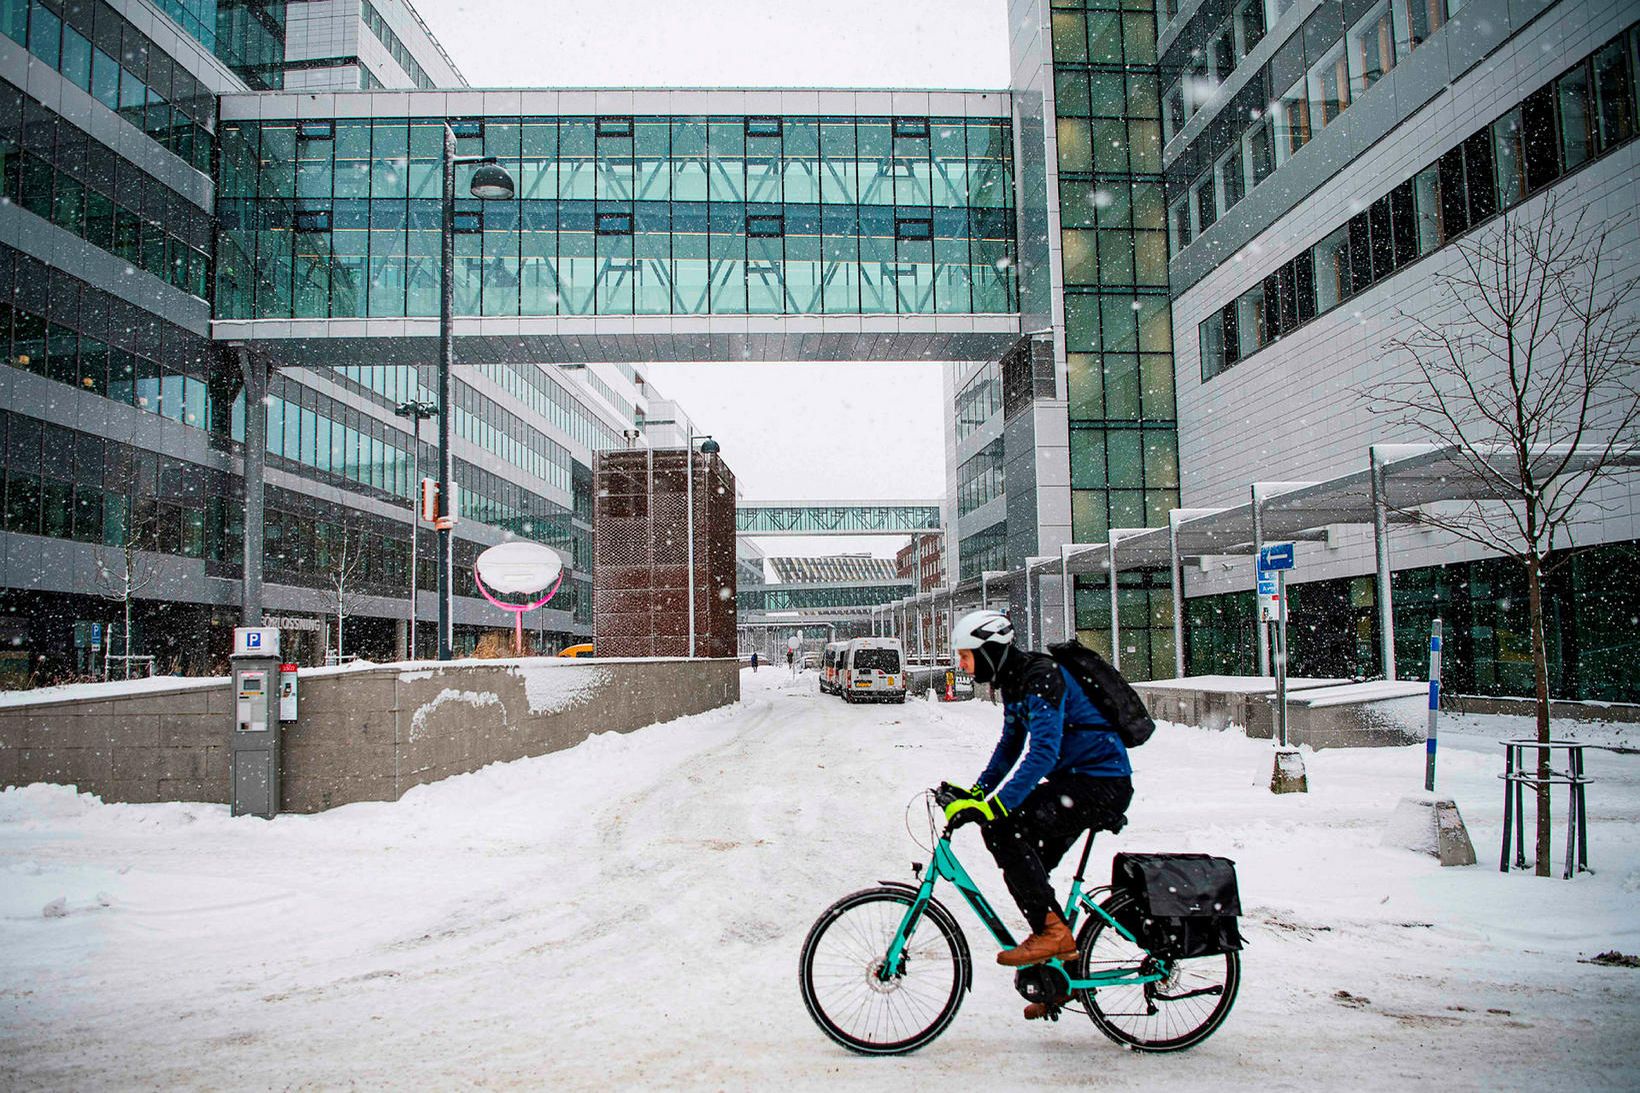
(517,610)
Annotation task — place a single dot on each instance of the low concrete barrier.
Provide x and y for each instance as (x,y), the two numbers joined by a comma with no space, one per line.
(1323,713)
(1219,702)
(364,734)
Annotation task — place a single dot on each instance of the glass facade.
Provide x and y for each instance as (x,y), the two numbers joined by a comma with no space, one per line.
(980,479)
(102,54)
(1585,113)
(61,174)
(1590,604)
(1118,326)
(620,216)
(1341,52)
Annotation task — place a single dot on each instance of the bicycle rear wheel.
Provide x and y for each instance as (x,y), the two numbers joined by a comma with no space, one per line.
(1171,1014)
(859,1008)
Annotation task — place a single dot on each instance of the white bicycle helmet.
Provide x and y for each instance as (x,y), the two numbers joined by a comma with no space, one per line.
(990,635)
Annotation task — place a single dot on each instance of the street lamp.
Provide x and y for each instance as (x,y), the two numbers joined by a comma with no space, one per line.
(416,410)
(708,447)
(490,182)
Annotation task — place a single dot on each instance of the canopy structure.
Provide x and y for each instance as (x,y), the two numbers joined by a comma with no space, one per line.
(1398,479)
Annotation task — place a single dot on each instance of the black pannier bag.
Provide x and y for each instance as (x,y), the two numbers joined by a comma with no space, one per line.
(1111,694)
(1179,905)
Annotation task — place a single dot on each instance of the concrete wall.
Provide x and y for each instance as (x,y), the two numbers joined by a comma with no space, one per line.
(365,735)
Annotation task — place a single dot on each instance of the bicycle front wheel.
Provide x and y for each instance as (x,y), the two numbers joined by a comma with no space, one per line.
(847,991)
(1172,1014)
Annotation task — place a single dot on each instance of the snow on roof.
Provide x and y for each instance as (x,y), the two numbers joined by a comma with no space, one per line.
(1376,691)
(1235,684)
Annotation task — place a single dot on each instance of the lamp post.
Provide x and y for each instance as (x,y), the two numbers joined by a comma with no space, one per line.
(490,183)
(416,410)
(708,447)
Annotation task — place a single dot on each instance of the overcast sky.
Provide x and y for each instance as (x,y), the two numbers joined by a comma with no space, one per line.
(789,431)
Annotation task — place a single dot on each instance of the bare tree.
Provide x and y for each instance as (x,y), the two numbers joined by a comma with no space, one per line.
(132,571)
(1525,362)
(342,561)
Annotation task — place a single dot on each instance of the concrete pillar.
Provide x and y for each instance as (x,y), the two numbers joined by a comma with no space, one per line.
(253,371)
(1380,541)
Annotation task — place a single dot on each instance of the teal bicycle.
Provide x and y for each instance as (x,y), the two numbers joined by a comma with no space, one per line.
(884,970)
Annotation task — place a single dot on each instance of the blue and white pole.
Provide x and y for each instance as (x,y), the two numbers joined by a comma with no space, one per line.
(1434,703)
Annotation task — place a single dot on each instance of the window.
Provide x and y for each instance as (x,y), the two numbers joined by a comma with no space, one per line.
(765,226)
(1454,208)
(1420,19)
(1291,116)
(913,228)
(911,127)
(1207,211)
(465,128)
(1179,219)
(1538,138)
(1577,131)
(1173,115)
(1224,54)
(1332,270)
(313,220)
(619,127)
(1509,159)
(761,127)
(1259,141)
(466,223)
(614,223)
(1232,180)
(1614,96)
(1329,87)
(1250,26)
(316,130)
(1372,47)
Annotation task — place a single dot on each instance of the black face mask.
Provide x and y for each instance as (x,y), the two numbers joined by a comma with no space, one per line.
(985,667)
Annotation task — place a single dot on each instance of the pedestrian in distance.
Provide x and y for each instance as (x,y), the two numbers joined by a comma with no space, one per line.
(1074,777)
(754,661)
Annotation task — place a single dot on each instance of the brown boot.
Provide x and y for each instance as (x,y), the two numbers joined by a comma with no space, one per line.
(1036,1011)
(1052,942)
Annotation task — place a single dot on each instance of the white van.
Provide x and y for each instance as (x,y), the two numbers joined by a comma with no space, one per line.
(873,669)
(831,666)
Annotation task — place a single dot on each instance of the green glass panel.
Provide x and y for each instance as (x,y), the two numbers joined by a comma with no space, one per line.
(1123,459)
(1069,37)
(1085,377)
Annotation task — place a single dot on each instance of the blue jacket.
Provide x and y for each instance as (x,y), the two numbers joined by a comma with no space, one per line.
(1040,698)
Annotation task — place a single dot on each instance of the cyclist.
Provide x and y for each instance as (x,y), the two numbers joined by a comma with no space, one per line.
(1074,777)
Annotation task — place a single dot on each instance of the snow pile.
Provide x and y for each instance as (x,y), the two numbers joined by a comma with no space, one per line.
(119,688)
(638,895)
(476,699)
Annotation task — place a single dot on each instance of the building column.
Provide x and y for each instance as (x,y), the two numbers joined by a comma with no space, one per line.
(253,371)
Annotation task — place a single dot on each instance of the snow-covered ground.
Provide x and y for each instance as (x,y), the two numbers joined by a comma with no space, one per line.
(629,912)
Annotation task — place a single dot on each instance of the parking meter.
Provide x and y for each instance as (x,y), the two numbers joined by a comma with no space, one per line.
(253,745)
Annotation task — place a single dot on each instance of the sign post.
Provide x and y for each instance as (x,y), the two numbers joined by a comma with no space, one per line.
(1273,563)
(1434,703)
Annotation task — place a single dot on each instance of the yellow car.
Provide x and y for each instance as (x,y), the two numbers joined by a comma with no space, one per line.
(582,650)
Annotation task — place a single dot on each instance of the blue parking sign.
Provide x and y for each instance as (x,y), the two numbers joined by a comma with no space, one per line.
(253,640)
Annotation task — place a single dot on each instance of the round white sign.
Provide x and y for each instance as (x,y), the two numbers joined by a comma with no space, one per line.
(519,567)
(794,643)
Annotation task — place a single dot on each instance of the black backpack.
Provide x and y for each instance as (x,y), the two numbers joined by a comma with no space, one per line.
(1110,694)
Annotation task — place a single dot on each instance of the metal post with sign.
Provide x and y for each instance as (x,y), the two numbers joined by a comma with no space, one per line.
(253,743)
(1273,563)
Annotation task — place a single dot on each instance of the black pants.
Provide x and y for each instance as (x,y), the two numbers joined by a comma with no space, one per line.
(1028,842)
